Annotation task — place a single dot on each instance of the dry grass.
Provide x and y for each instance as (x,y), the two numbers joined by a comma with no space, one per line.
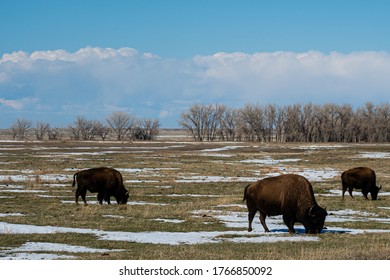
(159,195)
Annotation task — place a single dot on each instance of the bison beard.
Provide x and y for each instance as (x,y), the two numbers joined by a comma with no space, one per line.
(105,181)
(288,195)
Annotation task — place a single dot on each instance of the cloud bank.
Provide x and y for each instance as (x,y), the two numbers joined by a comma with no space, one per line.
(58,85)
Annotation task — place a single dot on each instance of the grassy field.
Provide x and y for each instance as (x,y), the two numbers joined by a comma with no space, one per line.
(185,201)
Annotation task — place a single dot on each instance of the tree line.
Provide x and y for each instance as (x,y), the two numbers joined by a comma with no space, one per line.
(218,122)
(290,123)
(120,125)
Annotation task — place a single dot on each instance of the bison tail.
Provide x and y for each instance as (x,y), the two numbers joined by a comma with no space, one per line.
(245,192)
(74,179)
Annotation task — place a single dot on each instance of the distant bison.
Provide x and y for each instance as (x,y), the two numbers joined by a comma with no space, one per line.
(105,181)
(289,195)
(363,178)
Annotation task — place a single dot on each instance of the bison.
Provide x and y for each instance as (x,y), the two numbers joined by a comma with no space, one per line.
(105,181)
(289,195)
(363,178)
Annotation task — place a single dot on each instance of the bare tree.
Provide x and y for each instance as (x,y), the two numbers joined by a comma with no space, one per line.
(298,123)
(213,117)
(279,124)
(101,130)
(270,114)
(41,128)
(54,134)
(253,122)
(345,122)
(230,124)
(293,124)
(383,122)
(121,123)
(20,128)
(203,121)
(193,120)
(83,129)
(146,129)
(77,129)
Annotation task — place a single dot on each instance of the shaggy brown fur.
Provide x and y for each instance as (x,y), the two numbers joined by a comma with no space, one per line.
(363,178)
(289,195)
(105,181)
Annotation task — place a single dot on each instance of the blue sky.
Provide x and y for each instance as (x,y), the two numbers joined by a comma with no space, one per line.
(62,59)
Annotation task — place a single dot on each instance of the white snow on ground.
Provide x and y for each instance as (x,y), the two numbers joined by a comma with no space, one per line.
(374,155)
(270,161)
(355,193)
(320,147)
(114,216)
(146,170)
(29,251)
(216,155)
(43,177)
(236,222)
(310,174)
(227,148)
(174,221)
(155,237)
(11,215)
(211,179)
(215,152)
(233,220)
(21,191)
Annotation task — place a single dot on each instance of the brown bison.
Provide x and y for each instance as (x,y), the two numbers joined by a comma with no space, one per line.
(289,195)
(105,181)
(363,178)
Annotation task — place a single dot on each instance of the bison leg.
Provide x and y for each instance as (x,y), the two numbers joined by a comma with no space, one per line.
(350,192)
(107,198)
(79,193)
(344,190)
(100,198)
(77,196)
(251,215)
(289,223)
(262,221)
(82,194)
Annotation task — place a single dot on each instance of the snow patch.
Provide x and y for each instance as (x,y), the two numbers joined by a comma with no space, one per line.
(25,251)
(375,155)
(270,161)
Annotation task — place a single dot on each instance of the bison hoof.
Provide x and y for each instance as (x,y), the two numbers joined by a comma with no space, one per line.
(249,229)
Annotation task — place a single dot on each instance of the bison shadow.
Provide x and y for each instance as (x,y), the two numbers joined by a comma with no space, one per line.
(303,231)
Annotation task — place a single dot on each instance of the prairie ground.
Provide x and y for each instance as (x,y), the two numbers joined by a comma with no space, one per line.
(185,201)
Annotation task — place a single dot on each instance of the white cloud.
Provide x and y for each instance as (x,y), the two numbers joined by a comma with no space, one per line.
(87,53)
(91,80)
(164,114)
(18,104)
(297,69)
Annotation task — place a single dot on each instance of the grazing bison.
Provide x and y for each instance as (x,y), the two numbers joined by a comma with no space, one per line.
(105,181)
(360,178)
(289,195)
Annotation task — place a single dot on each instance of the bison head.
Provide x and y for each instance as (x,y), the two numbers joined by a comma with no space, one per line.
(316,219)
(374,192)
(122,199)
